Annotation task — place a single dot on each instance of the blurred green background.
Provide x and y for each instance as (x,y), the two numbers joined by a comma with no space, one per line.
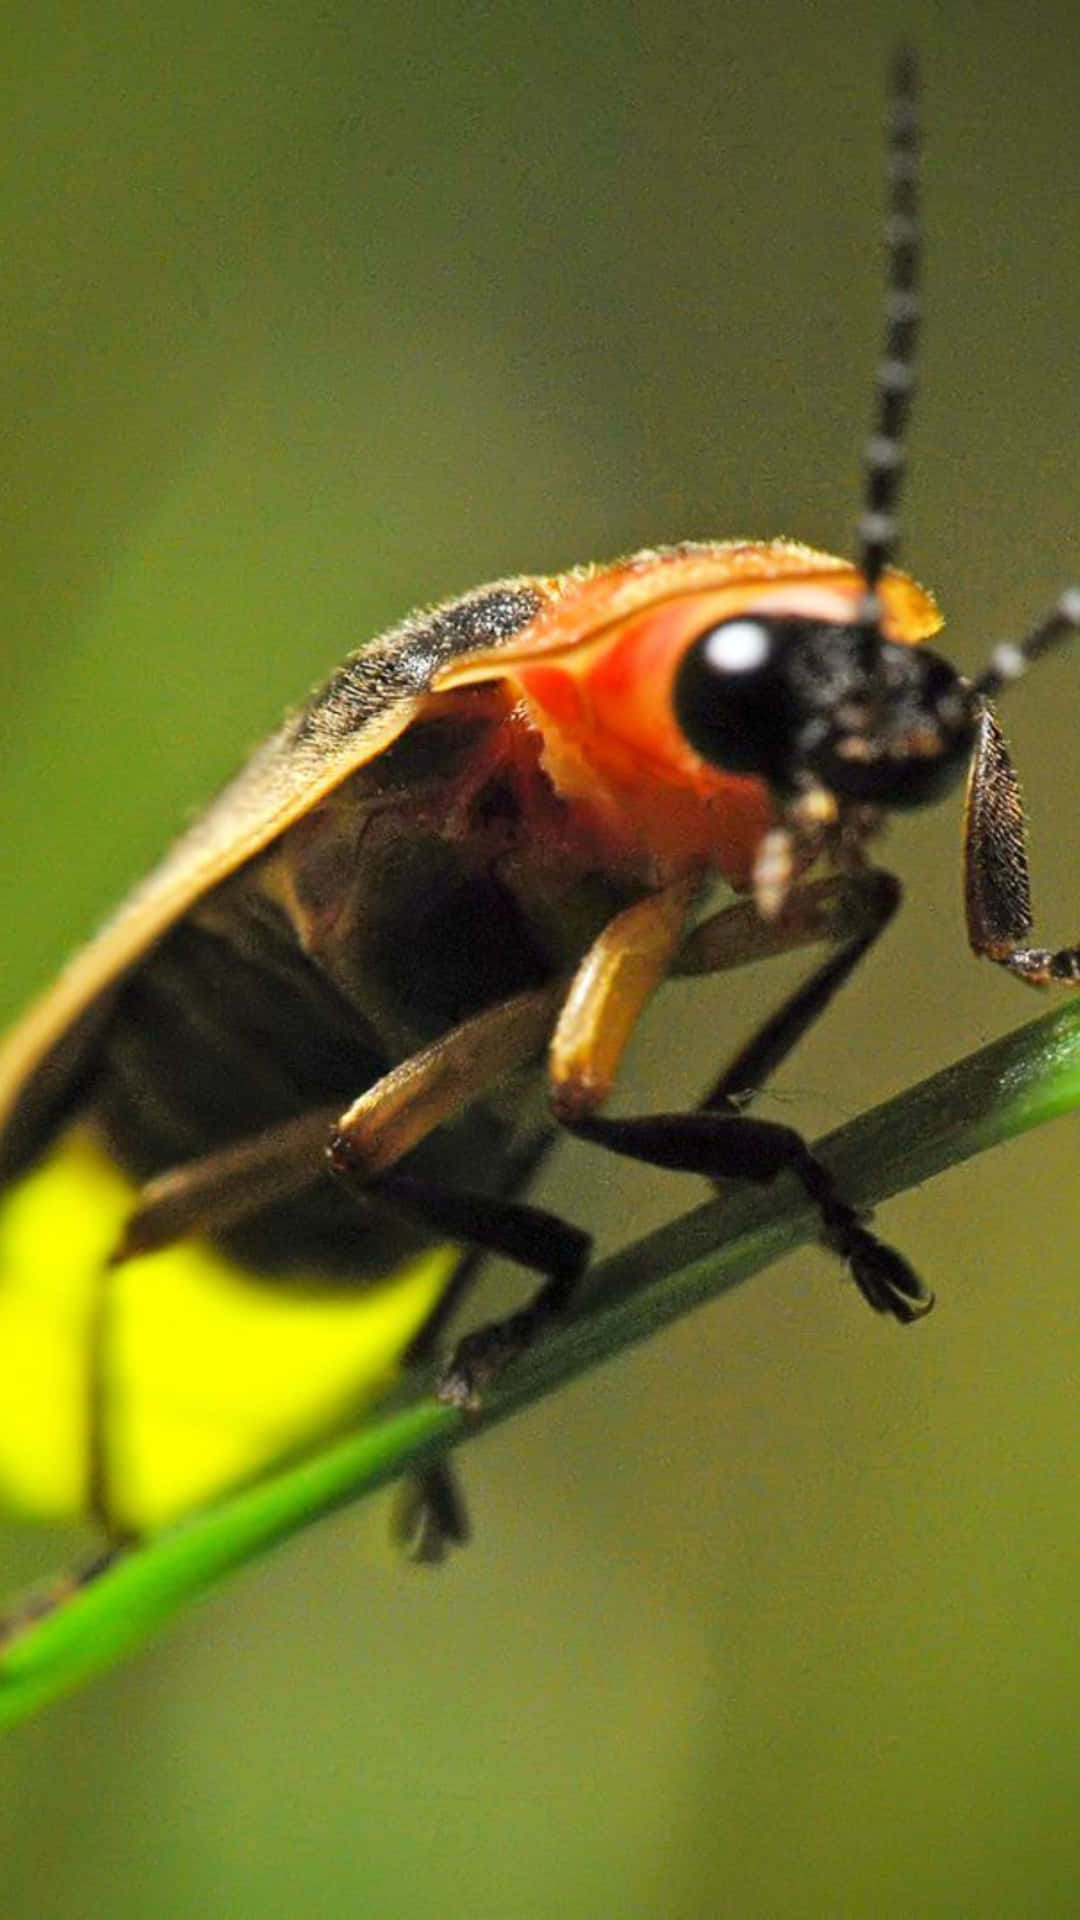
(312,313)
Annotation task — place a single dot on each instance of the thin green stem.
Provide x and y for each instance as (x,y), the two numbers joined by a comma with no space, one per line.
(1019,1082)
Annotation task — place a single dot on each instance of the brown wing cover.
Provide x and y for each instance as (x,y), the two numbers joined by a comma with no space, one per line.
(366,704)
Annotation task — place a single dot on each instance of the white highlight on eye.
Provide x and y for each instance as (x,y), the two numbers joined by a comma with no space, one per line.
(739,646)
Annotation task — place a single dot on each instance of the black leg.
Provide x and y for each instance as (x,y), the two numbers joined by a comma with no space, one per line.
(522,1165)
(766,1051)
(430,1516)
(527,1235)
(727,1146)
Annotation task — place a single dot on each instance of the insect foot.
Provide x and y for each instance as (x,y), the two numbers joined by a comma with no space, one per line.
(481,1358)
(887,1281)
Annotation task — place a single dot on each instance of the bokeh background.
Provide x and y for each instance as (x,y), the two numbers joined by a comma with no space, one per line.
(312,313)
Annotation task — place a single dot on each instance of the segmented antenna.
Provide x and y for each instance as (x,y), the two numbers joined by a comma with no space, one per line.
(894,383)
(1014,657)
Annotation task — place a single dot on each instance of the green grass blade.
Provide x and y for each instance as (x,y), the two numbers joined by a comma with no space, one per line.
(1031,1076)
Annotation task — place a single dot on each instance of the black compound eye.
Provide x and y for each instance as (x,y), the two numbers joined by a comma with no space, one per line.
(730,695)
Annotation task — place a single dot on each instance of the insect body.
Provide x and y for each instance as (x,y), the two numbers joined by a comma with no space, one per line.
(316,1041)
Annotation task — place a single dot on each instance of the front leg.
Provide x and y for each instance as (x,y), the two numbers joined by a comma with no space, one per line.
(727,1146)
(721,1143)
